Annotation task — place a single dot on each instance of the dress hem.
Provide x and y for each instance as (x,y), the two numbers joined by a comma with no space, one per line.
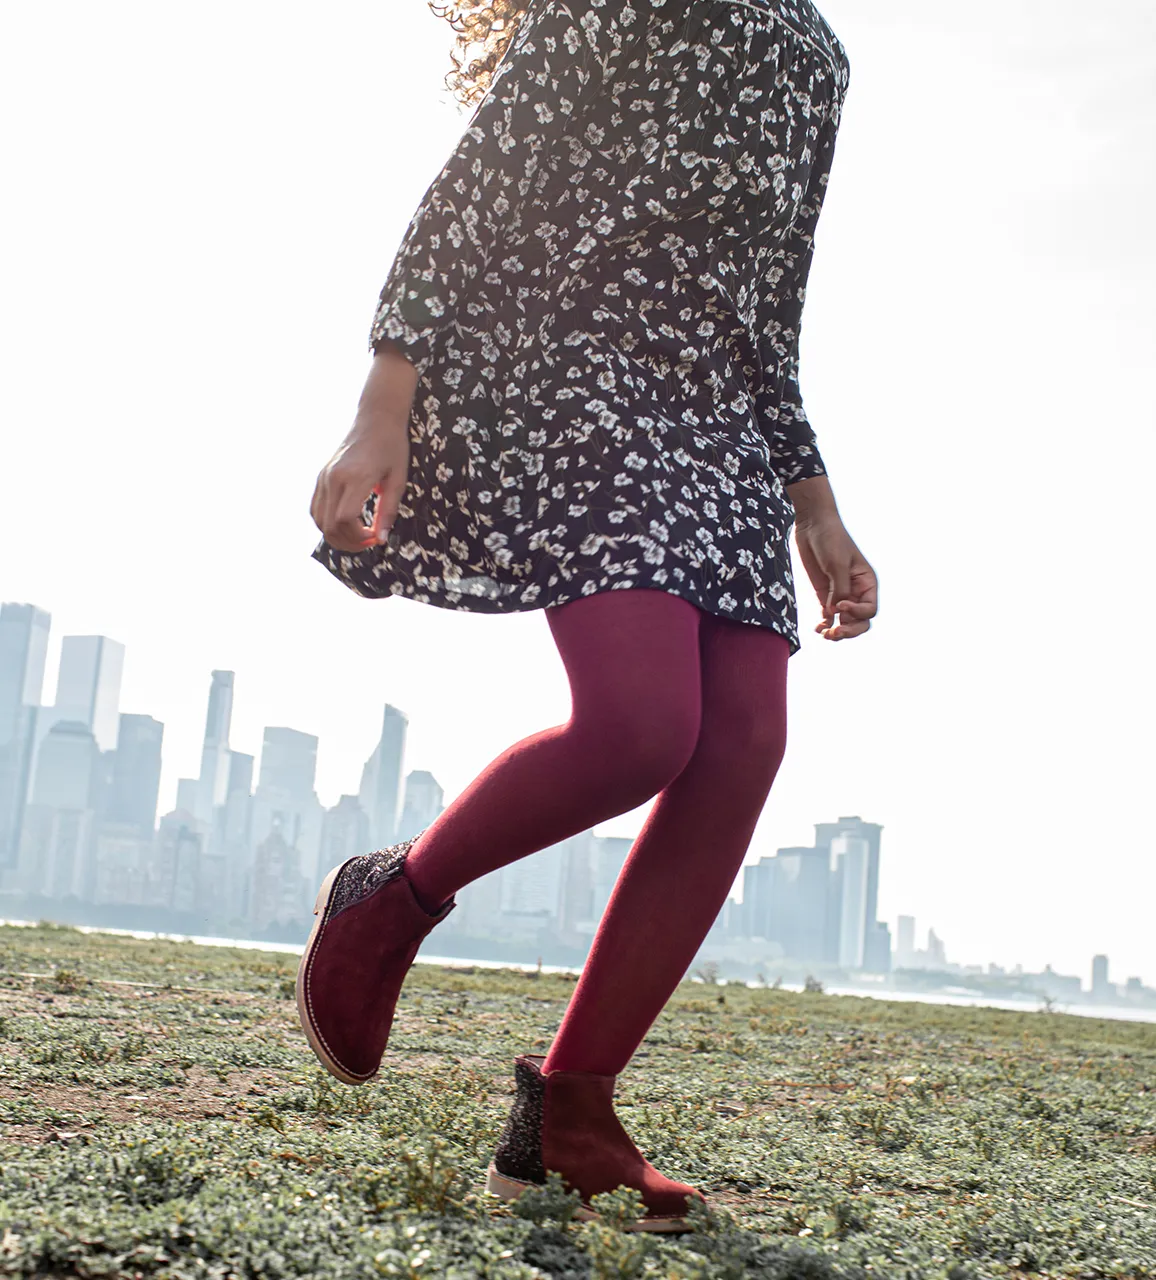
(389,585)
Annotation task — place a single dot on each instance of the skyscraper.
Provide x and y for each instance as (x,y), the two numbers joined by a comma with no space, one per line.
(532,886)
(608,859)
(344,833)
(279,890)
(288,762)
(758,886)
(285,800)
(798,902)
(380,793)
(852,856)
(88,686)
(136,774)
(214,776)
(423,803)
(57,839)
(23,650)
(870,832)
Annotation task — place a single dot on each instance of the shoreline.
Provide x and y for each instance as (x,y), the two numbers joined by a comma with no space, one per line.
(958,999)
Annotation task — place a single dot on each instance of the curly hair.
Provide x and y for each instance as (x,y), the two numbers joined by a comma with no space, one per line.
(484,30)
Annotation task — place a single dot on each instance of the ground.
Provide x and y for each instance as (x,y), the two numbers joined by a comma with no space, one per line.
(163,1117)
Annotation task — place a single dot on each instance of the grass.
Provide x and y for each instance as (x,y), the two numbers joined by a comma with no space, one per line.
(163,1117)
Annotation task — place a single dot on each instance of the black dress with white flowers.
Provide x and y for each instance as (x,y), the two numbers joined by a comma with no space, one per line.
(602,292)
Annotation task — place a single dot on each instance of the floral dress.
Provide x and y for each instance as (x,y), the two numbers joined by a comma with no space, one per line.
(601,292)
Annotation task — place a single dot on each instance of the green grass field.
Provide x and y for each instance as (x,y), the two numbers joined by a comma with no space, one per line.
(162,1116)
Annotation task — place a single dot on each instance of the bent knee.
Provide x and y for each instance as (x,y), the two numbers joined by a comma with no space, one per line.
(648,752)
(746,745)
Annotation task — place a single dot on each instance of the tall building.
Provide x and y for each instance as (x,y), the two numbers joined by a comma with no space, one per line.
(852,856)
(288,762)
(344,833)
(905,942)
(380,792)
(175,875)
(577,898)
(285,800)
(279,890)
(877,948)
(1101,987)
(189,798)
(23,652)
(88,686)
(122,858)
(609,857)
(136,774)
(758,885)
(825,833)
(423,803)
(532,886)
(56,846)
(479,907)
(232,834)
(798,902)
(214,775)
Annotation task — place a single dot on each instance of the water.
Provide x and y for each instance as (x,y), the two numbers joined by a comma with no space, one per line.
(960,998)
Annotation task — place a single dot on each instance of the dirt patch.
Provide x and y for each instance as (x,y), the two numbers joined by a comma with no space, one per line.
(201,1096)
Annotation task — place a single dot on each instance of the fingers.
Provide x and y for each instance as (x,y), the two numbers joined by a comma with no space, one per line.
(840,589)
(389,499)
(344,524)
(856,608)
(376,532)
(317,501)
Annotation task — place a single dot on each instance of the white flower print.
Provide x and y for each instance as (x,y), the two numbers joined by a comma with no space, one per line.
(602,294)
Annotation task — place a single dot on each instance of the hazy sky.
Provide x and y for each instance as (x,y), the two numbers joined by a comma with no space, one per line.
(203,201)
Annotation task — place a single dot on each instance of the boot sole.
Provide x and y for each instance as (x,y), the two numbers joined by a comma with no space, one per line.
(320,906)
(506,1188)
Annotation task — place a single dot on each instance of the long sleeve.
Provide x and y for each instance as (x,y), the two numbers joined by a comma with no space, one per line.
(779,404)
(551,74)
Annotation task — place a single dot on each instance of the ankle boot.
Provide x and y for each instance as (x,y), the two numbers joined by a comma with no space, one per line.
(369,926)
(564,1121)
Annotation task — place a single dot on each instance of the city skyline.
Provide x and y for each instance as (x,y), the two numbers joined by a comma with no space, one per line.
(88,686)
(993,719)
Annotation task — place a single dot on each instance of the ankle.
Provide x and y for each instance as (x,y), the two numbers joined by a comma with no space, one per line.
(431,904)
(575,1062)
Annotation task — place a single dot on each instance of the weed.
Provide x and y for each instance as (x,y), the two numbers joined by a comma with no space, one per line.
(1033,1138)
(615,1253)
(431,1179)
(548,1203)
(329,1099)
(69,981)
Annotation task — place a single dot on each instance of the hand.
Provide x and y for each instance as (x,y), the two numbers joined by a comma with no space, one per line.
(373,458)
(843,580)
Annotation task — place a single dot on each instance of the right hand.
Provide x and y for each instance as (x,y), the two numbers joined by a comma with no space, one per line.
(373,457)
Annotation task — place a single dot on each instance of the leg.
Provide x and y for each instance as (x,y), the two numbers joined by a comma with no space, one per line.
(632,658)
(685,860)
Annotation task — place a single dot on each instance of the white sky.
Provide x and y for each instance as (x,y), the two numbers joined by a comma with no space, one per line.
(203,201)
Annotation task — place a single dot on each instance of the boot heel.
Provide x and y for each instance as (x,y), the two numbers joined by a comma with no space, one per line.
(565,1122)
(497,1184)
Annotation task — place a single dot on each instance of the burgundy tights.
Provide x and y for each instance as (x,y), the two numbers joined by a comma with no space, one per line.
(667,701)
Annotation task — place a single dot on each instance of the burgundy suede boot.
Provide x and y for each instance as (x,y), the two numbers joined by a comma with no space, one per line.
(368,929)
(564,1121)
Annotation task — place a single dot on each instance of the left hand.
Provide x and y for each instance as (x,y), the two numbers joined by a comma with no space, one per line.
(843,580)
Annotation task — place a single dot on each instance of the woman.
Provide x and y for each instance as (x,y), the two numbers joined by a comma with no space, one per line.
(584,398)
